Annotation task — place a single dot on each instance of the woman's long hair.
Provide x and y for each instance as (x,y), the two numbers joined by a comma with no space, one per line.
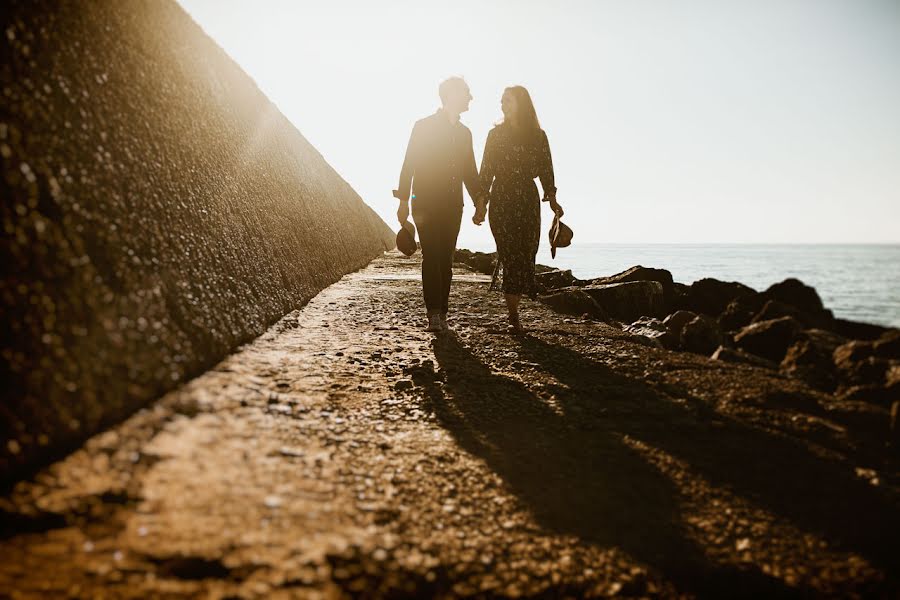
(527,117)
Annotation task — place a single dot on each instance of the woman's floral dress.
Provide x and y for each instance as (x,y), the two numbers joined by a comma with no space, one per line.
(512,159)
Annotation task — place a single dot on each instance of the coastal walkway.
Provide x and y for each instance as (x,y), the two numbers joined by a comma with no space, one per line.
(347,452)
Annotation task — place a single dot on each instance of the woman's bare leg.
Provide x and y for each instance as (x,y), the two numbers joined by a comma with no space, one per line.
(512,305)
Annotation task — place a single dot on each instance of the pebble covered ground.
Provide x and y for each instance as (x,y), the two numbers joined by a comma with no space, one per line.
(347,452)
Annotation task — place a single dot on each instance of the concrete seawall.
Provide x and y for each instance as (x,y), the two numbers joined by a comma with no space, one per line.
(157,212)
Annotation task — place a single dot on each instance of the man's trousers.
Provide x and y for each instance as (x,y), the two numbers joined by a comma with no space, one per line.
(438,227)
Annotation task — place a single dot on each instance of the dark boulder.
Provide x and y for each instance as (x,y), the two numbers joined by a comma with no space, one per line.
(480,262)
(797,294)
(574,301)
(631,300)
(774,309)
(769,339)
(888,345)
(857,364)
(895,426)
(639,273)
(650,332)
(871,393)
(681,292)
(701,335)
(676,321)
(734,355)
(892,377)
(854,330)
(555,279)
(810,359)
(740,312)
(711,296)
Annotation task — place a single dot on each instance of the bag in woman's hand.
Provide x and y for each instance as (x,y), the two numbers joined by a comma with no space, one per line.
(560,235)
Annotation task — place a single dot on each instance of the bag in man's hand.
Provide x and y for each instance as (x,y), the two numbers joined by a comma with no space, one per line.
(406,239)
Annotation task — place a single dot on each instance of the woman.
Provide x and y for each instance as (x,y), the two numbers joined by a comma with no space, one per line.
(515,153)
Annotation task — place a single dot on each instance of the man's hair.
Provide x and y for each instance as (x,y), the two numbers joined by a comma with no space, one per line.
(451,85)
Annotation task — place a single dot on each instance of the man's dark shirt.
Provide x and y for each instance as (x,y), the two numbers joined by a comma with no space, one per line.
(439,160)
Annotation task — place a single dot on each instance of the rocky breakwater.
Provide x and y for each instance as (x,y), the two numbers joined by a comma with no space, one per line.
(785,329)
(157,212)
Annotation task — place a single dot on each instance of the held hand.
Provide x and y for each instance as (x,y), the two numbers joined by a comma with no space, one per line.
(480,212)
(403,212)
(556,208)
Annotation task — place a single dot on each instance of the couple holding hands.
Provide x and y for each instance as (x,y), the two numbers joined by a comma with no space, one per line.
(440,160)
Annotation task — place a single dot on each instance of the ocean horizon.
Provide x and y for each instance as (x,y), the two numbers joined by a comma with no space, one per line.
(860,282)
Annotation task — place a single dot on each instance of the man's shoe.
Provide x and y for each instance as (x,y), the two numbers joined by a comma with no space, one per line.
(434,323)
(444,324)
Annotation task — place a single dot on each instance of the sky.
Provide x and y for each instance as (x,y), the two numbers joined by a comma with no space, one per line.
(772,121)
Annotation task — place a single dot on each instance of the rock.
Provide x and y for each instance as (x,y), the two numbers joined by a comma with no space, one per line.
(892,377)
(639,273)
(769,339)
(165,212)
(888,345)
(853,330)
(480,262)
(773,309)
(871,393)
(797,294)
(701,335)
(734,355)
(711,296)
(675,323)
(853,351)
(857,364)
(574,301)
(555,279)
(895,426)
(740,312)
(651,331)
(629,301)
(810,359)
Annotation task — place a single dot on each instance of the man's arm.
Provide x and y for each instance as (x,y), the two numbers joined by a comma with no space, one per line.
(409,166)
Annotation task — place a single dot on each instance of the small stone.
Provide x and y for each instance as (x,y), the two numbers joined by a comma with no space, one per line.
(286,451)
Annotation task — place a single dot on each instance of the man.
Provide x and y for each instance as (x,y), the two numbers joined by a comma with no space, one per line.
(439,160)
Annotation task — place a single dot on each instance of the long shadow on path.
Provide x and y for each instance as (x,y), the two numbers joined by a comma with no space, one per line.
(775,472)
(574,471)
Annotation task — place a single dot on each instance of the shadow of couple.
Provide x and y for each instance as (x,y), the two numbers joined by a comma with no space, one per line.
(572,468)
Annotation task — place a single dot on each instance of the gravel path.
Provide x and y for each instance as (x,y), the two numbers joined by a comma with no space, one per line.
(348,452)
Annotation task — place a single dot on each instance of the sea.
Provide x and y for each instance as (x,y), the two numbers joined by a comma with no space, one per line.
(860,282)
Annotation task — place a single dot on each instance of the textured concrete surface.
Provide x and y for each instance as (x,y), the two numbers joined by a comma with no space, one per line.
(348,453)
(157,212)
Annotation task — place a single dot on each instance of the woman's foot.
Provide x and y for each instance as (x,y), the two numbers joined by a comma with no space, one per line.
(515,326)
